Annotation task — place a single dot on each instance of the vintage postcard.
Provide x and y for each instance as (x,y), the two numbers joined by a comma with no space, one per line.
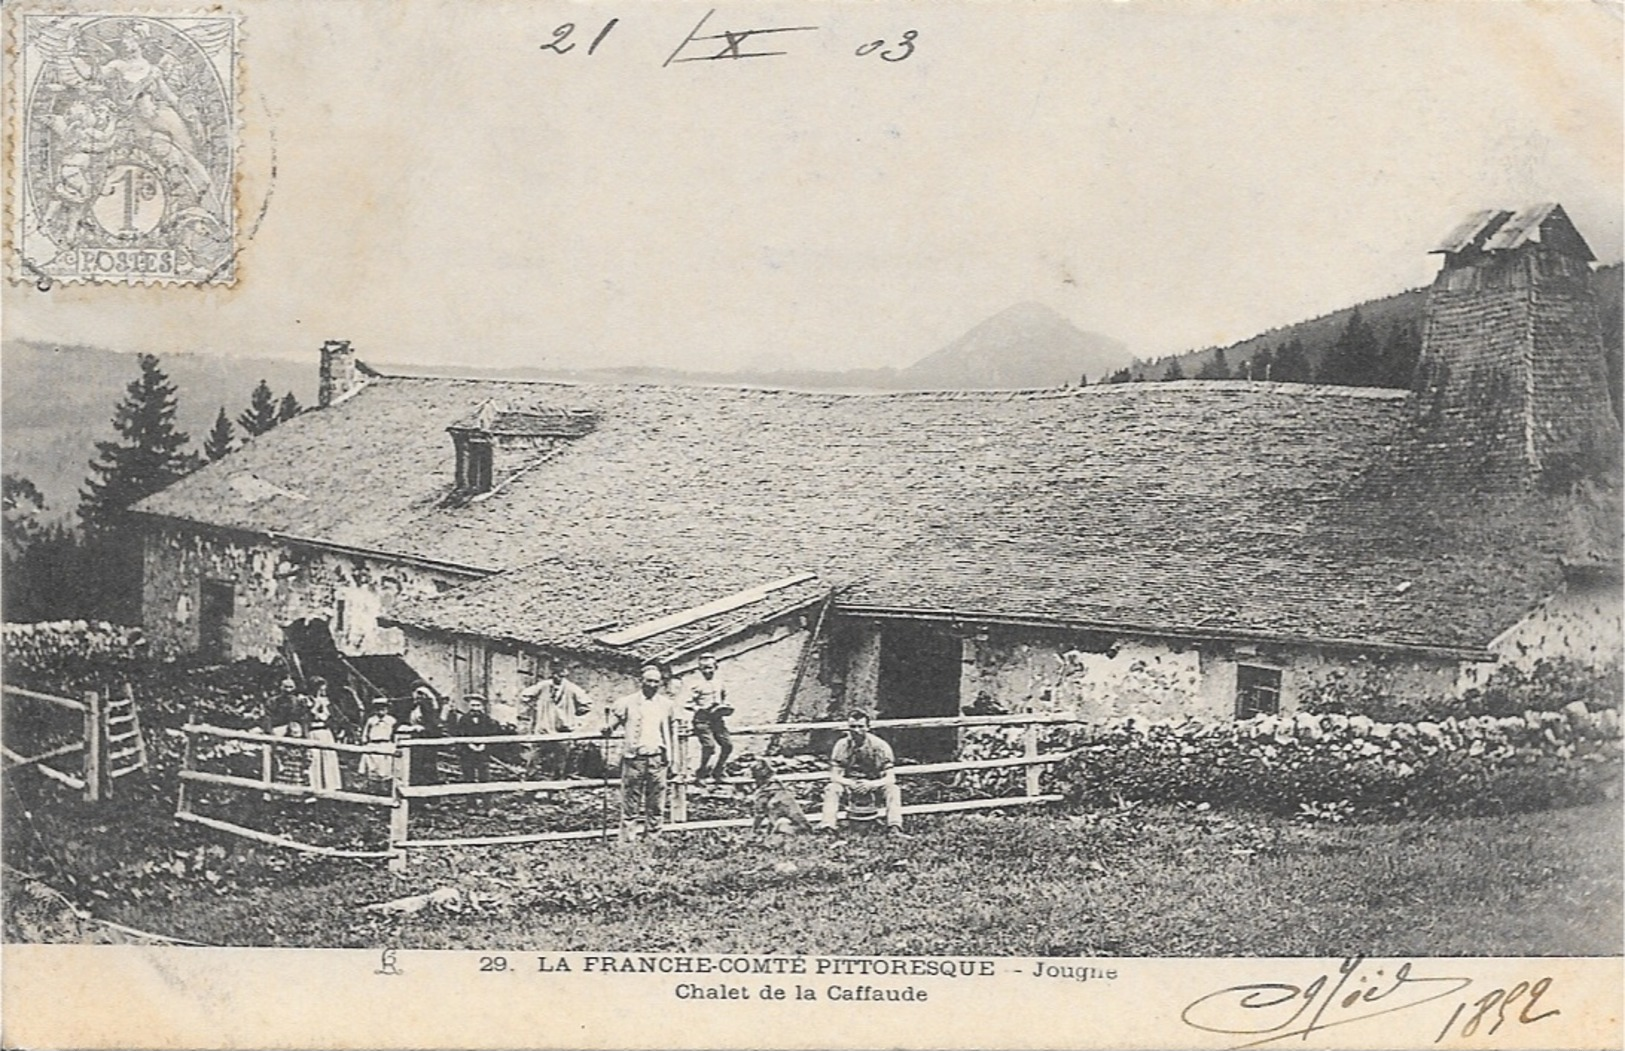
(812,525)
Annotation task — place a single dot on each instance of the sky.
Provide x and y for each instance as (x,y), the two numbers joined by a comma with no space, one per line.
(425,180)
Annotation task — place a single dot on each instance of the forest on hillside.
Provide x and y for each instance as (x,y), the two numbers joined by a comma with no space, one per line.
(1373,344)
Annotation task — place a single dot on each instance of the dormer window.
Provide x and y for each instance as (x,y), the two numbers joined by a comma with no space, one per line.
(494,444)
(474,464)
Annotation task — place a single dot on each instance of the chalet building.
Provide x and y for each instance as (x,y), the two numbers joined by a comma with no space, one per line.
(1213,548)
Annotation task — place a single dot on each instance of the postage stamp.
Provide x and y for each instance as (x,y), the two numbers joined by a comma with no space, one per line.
(125,150)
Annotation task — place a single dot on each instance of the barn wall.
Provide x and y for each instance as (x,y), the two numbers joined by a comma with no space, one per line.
(1310,671)
(1093,678)
(1099,677)
(1582,623)
(274,584)
(757,669)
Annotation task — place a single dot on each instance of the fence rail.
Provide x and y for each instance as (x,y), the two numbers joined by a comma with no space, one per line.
(402,792)
(91,745)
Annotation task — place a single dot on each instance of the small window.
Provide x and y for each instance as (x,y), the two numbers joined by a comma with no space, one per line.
(474,464)
(216,607)
(1258,691)
(479,467)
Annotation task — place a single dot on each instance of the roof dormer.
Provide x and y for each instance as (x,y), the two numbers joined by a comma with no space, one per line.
(494,444)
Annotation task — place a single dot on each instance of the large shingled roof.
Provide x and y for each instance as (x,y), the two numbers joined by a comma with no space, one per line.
(1197,508)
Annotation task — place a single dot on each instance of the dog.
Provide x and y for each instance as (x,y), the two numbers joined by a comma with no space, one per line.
(777,809)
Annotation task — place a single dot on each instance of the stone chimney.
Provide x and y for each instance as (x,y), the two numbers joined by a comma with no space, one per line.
(1511,389)
(340,376)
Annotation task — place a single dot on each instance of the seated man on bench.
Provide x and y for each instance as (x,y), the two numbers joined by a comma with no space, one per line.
(860,766)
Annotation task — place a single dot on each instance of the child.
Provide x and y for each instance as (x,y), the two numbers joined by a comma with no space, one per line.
(378,729)
(777,809)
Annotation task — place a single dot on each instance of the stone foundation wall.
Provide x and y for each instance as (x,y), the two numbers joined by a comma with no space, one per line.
(274,584)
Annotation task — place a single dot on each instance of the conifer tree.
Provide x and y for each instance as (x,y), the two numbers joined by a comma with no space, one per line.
(1217,369)
(1400,355)
(1174,372)
(1292,364)
(261,414)
(219,442)
(148,455)
(1356,358)
(289,408)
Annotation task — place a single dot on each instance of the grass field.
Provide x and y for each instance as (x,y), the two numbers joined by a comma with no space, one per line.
(1138,881)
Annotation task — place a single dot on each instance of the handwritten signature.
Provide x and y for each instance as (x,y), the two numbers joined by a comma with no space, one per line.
(1357,992)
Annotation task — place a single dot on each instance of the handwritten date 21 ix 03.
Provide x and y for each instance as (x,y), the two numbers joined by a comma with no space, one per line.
(724,45)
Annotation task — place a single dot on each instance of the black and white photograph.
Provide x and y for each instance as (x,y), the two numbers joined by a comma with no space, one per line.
(828,525)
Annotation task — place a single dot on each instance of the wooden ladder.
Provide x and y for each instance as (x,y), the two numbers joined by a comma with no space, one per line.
(126,746)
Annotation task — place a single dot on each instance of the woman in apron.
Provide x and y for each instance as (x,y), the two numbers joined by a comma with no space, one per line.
(324,762)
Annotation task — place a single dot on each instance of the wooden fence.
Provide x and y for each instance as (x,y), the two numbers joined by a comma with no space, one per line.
(403,792)
(110,744)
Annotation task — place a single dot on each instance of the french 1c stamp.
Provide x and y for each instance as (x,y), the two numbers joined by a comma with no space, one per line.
(126,149)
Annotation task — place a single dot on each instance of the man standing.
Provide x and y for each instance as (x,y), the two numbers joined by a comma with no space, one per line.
(558,703)
(861,763)
(647,751)
(472,757)
(709,701)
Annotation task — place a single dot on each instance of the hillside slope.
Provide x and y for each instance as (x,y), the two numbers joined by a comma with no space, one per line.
(1384,315)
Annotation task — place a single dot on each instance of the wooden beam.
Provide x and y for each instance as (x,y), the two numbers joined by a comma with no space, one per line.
(205,730)
(94,738)
(699,826)
(17,760)
(474,788)
(65,702)
(206,778)
(56,775)
(738,600)
(278,841)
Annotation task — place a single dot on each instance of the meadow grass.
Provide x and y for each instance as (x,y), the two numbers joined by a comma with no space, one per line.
(1141,881)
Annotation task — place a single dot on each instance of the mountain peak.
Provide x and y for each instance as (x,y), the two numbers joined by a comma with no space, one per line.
(1024,345)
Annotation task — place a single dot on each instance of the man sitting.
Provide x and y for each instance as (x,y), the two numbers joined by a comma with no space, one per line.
(861,764)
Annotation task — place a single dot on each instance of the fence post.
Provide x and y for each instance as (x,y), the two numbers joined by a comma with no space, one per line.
(188,755)
(679,787)
(93,746)
(1029,743)
(267,761)
(401,815)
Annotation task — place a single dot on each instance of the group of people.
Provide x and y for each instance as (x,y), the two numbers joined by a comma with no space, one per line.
(649,721)
(861,764)
(313,713)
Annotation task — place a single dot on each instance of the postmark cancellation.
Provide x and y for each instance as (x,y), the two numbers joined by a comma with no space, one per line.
(125,149)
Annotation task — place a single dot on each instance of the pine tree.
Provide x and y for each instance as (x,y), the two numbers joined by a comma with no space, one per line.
(1217,369)
(1120,376)
(1355,360)
(1292,364)
(1400,355)
(261,414)
(1261,365)
(219,441)
(149,455)
(289,408)
(1174,372)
